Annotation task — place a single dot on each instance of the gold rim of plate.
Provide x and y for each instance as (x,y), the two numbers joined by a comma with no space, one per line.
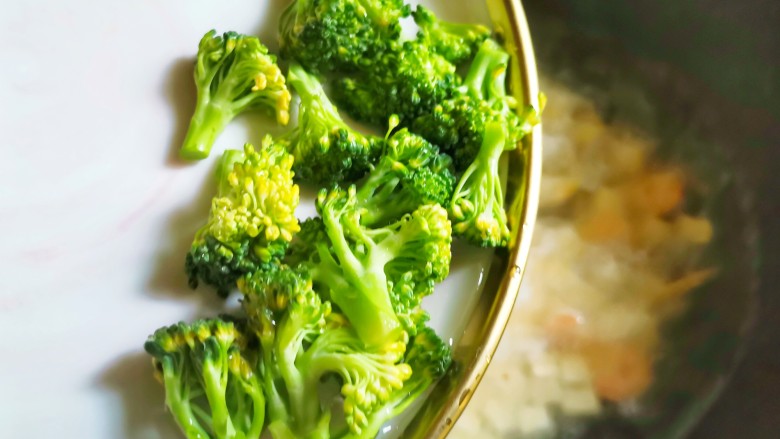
(472,354)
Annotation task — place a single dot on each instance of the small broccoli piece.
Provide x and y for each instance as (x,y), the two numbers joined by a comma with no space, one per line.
(477,208)
(408,80)
(207,369)
(252,218)
(286,315)
(329,35)
(410,173)
(303,342)
(457,125)
(325,148)
(429,359)
(233,73)
(357,267)
(456,42)
(369,375)
(423,262)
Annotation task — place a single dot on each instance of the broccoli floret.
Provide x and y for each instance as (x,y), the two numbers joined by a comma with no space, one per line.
(358,267)
(456,42)
(408,80)
(429,359)
(303,342)
(233,73)
(423,261)
(477,208)
(252,218)
(328,35)
(325,148)
(368,375)
(207,369)
(457,125)
(286,315)
(410,173)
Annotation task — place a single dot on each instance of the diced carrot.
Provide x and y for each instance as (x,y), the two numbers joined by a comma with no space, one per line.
(620,370)
(658,193)
(603,226)
(563,327)
(603,218)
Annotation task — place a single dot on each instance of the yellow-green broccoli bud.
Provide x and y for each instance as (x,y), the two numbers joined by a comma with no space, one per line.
(210,385)
(252,218)
(233,73)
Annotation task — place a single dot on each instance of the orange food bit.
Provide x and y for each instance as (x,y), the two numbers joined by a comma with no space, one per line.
(683,285)
(603,226)
(620,370)
(562,328)
(658,193)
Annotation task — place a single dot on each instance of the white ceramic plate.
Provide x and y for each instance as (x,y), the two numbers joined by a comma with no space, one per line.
(98,213)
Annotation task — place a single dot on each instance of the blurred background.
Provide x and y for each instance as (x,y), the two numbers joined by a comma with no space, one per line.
(713,66)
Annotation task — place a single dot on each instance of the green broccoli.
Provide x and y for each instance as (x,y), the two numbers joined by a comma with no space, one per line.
(252,218)
(456,42)
(409,174)
(303,342)
(407,80)
(457,125)
(369,273)
(429,358)
(286,314)
(325,148)
(208,369)
(477,207)
(233,73)
(330,35)
(368,375)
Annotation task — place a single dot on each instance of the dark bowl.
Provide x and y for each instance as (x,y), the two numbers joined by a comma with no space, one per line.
(704,77)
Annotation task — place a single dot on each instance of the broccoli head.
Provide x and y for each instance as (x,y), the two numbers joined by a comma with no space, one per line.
(477,207)
(407,80)
(329,35)
(456,42)
(304,342)
(233,73)
(411,173)
(457,125)
(368,375)
(207,368)
(369,272)
(286,315)
(325,148)
(252,218)
(429,359)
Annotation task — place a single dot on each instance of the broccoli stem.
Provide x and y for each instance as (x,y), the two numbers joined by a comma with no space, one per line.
(258,411)
(280,430)
(215,380)
(313,96)
(477,203)
(382,206)
(485,165)
(290,338)
(208,121)
(367,304)
(376,206)
(489,56)
(178,403)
